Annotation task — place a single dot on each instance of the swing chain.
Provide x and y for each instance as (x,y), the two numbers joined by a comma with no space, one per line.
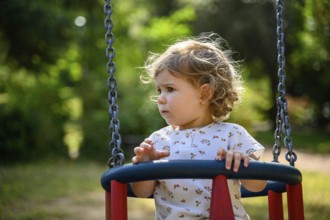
(117,158)
(283,129)
(277,137)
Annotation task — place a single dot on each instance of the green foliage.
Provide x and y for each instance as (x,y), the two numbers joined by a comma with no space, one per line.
(309,141)
(32,27)
(309,62)
(164,28)
(33,124)
(138,115)
(158,32)
(251,112)
(53,77)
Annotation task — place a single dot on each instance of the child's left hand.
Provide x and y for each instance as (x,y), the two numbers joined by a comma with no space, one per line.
(233,157)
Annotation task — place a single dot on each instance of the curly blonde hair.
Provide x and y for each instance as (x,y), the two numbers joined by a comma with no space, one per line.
(202,60)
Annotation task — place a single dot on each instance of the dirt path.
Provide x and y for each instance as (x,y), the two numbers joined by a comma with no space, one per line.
(91,206)
(305,161)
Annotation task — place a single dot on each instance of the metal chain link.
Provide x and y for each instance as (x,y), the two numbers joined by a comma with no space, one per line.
(277,135)
(283,129)
(117,158)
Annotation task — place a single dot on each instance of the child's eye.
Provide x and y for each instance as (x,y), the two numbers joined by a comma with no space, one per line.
(169,89)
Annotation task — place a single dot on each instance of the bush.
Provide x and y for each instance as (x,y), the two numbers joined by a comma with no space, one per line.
(32,120)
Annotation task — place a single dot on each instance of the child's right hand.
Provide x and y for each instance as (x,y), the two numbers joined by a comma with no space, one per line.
(147,152)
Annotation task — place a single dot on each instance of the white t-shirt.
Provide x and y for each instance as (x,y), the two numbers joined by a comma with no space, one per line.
(190,198)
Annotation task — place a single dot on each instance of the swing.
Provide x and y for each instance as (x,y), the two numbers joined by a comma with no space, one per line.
(280,178)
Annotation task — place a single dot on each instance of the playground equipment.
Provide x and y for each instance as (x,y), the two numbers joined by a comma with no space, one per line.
(280,178)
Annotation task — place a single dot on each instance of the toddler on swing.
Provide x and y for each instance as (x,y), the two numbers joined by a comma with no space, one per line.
(198,84)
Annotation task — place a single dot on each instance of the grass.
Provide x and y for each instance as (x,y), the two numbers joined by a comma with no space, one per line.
(70,190)
(316,192)
(37,191)
(314,142)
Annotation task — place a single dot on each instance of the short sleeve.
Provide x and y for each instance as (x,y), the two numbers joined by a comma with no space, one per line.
(242,141)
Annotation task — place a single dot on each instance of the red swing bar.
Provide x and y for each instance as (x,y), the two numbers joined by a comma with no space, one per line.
(220,204)
(118,201)
(275,205)
(295,201)
(221,207)
(116,181)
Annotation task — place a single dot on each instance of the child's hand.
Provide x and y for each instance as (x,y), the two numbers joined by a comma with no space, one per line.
(147,152)
(233,157)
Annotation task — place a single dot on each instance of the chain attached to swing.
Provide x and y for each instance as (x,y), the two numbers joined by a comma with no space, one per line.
(117,158)
(283,129)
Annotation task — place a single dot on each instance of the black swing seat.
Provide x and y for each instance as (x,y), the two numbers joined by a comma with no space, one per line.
(276,174)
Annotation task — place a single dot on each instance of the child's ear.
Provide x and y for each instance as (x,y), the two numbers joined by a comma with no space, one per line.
(206,93)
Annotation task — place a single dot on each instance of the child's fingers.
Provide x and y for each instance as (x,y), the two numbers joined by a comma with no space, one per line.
(148,141)
(141,154)
(146,145)
(229,159)
(233,159)
(221,154)
(246,160)
(143,149)
(134,159)
(139,150)
(237,160)
(161,154)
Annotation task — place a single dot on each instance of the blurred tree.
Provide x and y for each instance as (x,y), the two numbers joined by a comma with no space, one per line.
(309,61)
(35,32)
(34,37)
(137,30)
(53,77)
(31,119)
(250,28)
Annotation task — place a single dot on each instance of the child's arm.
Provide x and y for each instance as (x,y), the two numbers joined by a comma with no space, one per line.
(235,158)
(143,153)
(254,185)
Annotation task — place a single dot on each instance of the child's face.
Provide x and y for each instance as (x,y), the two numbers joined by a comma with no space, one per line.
(180,103)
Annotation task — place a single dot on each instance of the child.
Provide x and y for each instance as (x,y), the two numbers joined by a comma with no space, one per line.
(198,84)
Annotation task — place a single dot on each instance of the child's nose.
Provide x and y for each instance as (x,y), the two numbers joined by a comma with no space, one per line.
(161,99)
